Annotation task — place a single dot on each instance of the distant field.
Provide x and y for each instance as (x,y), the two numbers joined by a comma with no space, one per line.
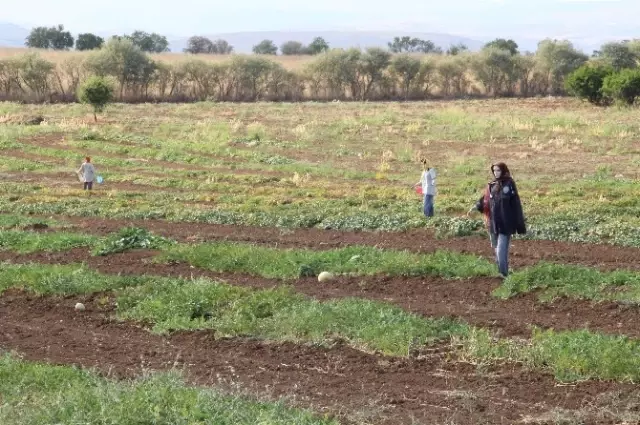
(198,259)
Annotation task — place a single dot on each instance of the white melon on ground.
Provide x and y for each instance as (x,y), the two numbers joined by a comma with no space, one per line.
(325,277)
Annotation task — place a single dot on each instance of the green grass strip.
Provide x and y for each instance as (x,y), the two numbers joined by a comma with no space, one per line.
(13,221)
(557,280)
(280,313)
(570,355)
(36,394)
(293,263)
(26,242)
(62,280)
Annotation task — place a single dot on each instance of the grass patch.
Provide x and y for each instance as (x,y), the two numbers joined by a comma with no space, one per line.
(63,280)
(281,314)
(13,221)
(35,394)
(23,242)
(556,280)
(570,355)
(293,263)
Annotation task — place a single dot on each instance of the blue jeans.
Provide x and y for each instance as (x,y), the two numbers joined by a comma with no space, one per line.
(500,244)
(428,205)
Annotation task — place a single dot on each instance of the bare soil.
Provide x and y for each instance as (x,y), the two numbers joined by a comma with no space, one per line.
(431,389)
(469,300)
(522,252)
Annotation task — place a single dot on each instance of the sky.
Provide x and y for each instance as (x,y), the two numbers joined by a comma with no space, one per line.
(533,19)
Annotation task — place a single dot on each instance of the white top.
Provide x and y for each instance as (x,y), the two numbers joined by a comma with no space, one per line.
(428,181)
(87,172)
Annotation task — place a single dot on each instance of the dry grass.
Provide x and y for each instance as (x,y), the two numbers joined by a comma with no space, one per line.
(292,63)
(289,62)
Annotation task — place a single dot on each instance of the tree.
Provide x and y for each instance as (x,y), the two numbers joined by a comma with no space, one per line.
(222,47)
(407,68)
(623,86)
(293,48)
(97,92)
(558,59)
(50,38)
(35,73)
(586,82)
(265,47)
(124,61)
(427,46)
(502,44)
(152,43)
(89,42)
(618,55)
(371,67)
(456,49)
(318,45)
(495,68)
(408,44)
(199,45)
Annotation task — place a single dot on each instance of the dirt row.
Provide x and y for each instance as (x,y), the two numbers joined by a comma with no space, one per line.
(469,300)
(354,385)
(522,252)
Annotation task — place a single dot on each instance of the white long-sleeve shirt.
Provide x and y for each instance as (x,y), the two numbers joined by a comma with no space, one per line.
(87,171)
(428,181)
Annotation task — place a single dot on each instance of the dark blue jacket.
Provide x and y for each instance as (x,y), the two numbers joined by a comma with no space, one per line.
(505,209)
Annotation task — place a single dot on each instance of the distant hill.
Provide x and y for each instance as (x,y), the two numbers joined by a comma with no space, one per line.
(12,35)
(243,42)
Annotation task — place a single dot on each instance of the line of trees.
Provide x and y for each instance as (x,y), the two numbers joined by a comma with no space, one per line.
(57,38)
(498,69)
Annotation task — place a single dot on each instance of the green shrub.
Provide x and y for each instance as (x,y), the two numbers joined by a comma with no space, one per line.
(623,86)
(97,92)
(586,82)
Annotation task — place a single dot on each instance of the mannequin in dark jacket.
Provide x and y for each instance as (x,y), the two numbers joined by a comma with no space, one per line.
(502,209)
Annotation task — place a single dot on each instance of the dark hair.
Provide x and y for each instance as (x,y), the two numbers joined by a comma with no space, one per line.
(505,170)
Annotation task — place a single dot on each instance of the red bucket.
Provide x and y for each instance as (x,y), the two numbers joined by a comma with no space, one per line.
(419,190)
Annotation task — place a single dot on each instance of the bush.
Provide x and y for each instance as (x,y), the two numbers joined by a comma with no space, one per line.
(131,238)
(97,92)
(623,86)
(586,82)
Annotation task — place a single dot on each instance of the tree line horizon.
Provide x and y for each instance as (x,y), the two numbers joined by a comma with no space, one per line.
(498,69)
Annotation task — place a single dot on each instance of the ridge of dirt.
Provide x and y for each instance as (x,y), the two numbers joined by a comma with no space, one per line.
(469,300)
(431,389)
(522,252)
